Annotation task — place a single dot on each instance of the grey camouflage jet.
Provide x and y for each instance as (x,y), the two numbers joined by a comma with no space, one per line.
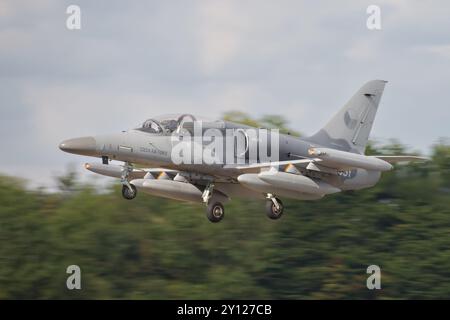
(309,168)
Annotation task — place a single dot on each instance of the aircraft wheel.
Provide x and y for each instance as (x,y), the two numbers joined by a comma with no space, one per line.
(215,211)
(272,211)
(129,194)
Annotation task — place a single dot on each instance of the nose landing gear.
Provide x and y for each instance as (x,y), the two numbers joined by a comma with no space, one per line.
(129,191)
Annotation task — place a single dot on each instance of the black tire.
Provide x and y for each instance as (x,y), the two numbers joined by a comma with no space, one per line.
(272,211)
(215,212)
(127,193)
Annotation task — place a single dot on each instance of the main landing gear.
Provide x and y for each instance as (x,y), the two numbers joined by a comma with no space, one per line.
(214,209)
(274,207)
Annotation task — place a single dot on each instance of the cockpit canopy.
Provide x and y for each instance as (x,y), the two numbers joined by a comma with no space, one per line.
(167,124)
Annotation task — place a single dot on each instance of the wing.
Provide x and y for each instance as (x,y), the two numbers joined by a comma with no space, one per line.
(322,165)
(292,166)
(256,167)
(396,159)
(116,171)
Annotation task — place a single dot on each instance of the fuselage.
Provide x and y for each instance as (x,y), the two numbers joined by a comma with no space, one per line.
(156,150)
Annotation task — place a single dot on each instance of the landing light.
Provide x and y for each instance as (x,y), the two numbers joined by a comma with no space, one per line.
(315,152)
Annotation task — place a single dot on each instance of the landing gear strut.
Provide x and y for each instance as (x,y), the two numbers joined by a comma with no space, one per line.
(274,207)
(207,193)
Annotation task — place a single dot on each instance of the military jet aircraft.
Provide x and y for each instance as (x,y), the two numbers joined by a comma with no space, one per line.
(308,168)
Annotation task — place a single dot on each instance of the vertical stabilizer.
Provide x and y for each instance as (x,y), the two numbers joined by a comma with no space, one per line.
(349,129)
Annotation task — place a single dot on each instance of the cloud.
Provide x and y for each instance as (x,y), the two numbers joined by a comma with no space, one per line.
(363,50)
(301,59)
(442,50)
(219,42)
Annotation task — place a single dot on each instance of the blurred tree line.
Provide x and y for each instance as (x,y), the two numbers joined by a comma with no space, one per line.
(152,248)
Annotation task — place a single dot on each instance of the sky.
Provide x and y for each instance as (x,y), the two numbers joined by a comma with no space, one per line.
(132,60)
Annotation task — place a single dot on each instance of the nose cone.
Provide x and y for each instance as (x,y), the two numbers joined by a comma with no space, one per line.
(84,146)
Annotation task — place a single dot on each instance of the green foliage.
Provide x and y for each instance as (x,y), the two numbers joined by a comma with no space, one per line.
(152,248)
